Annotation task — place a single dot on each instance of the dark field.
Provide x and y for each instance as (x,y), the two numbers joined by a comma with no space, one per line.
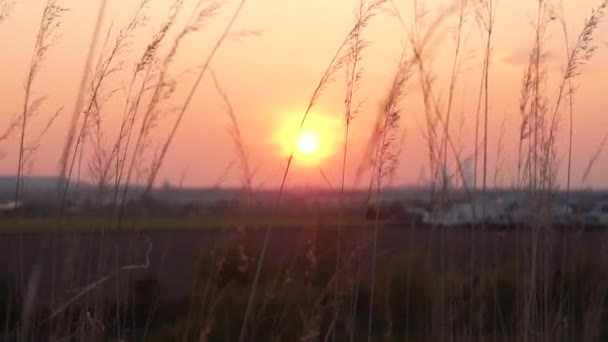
(430,283)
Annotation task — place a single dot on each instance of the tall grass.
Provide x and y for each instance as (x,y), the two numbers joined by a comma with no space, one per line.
(236,135)
(330,288)
(46,37)
(63,164)
(142,79)
(540,125)
(354,73)
(92,128)
(205,66)
(485,14)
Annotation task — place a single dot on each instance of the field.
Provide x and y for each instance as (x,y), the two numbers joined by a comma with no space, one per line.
(89,224)
(423,277)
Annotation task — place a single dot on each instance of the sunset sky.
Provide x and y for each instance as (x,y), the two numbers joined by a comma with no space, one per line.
(270,76)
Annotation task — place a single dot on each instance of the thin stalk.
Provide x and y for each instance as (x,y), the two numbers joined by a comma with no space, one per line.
(444,152)
(24,117)
(332,67)
(569,166)
(453,79)
(352,85)
(386,158)
(486,18)
(82,89)
(533,182)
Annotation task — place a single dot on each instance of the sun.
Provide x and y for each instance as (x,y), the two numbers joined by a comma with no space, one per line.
(311,143)
(308,143)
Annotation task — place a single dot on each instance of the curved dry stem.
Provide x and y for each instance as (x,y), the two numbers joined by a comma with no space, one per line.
(334,65)
(63,163)
(186,105)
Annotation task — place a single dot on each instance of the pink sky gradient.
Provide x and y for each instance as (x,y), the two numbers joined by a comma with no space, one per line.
(270,78)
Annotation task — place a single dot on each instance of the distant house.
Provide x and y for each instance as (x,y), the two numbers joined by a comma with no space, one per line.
(9,207)
(563,212)
(598,213)
(467,213)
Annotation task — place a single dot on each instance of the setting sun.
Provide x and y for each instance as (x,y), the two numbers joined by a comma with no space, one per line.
(314,144)
(308,143)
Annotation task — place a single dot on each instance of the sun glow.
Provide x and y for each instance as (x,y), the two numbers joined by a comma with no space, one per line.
(313,144)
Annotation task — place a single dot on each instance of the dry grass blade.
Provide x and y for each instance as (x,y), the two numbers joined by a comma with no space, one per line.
(337,63)
(63,162)
(535,118)
(368,153)
(33,147)
(486,18)
(145,65)
(45,39)
(577,57)
(237,138)
(387,154)
(593,159)
(499,151)
(5,9)
(205,13)
(326,179)
(108,64)
(525,125)
(354,73)
(92,286)
(456,64)
(423,37)
(164,88)
(10,129)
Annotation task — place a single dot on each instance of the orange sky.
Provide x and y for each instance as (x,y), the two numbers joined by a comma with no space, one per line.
(270,78)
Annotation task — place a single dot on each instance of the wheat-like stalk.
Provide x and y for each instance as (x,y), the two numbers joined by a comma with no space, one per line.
(109,63)
(204,14)
(5,9)
(593,160)
(144,70)
(354,73)
(578,56)
(387,152)
(535,115)
(237,139)
(161,90)
(46,37)
(63,162)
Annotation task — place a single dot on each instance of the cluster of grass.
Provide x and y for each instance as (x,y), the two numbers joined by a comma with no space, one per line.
(332,290)
(295,298)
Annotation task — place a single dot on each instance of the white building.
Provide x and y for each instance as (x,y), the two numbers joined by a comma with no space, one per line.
(10,206)
(599,213)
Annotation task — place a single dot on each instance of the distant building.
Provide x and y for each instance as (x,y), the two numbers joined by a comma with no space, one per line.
(598,213)
(10,206)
